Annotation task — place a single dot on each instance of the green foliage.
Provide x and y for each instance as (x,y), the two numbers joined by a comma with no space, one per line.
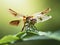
(55,35)
(26,36)
(8,39)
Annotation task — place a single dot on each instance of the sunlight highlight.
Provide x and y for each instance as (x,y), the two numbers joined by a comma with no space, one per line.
(15,1)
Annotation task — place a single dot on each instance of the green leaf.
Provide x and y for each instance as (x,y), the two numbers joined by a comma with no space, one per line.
(33,36)
(42,35)
(26,36)
(7,39)
(20,34)
(55,35)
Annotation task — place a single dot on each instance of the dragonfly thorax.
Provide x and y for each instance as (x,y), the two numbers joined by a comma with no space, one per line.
(31,20)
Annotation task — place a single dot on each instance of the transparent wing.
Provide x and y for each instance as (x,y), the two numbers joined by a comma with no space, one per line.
(15,22)
(41,16)
(44,18)
(15,13)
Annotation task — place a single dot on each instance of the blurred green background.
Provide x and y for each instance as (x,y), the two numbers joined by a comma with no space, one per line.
(28,7)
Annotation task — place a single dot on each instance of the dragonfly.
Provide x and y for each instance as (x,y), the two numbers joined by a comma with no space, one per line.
(30,21)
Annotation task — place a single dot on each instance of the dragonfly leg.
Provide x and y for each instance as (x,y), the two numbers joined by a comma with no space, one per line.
(23,28)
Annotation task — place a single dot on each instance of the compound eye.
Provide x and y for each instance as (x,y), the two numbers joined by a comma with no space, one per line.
(33,20)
